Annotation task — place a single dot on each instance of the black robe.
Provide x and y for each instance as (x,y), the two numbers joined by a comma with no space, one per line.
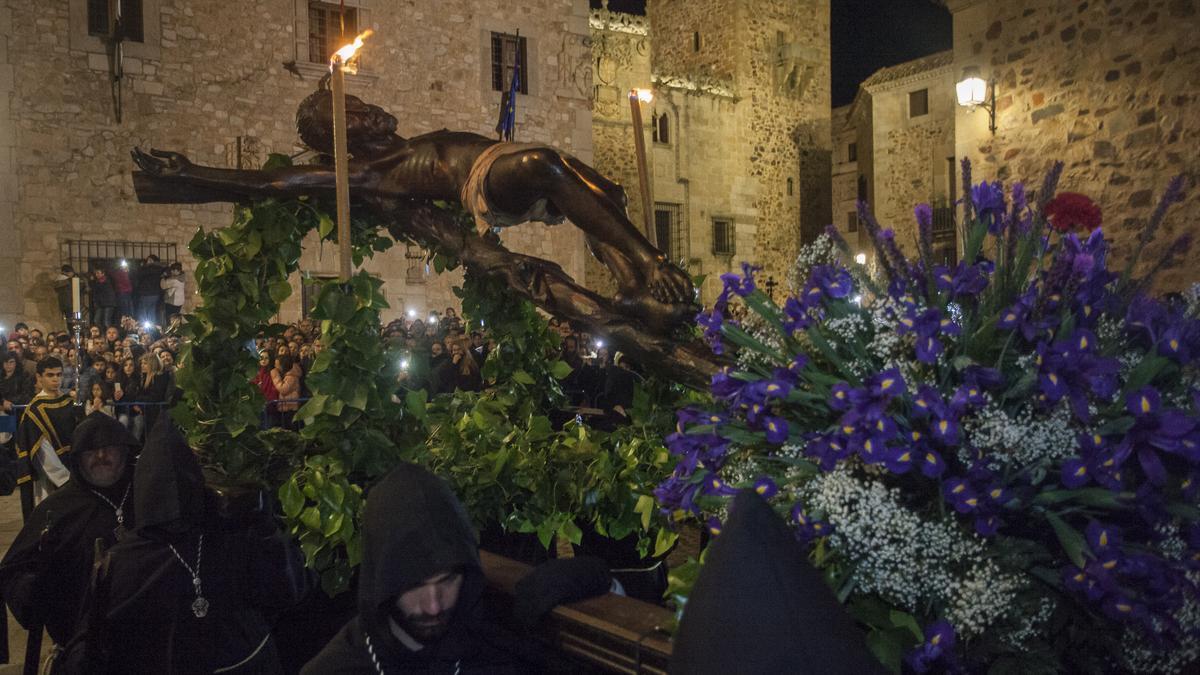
(248,570)
(758,606)
(45,574)
(52,418)
(47,570)
(413,529)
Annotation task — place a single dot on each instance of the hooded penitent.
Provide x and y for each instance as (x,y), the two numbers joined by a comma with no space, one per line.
(414,528)
(169,485)
(45,574)
(246,569)
(759,607)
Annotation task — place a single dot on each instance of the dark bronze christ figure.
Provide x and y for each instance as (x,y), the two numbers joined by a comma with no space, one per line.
(499,184)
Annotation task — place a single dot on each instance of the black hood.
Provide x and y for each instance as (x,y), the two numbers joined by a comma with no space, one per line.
(168,487)
(760,607)
(414,527)
(97,431)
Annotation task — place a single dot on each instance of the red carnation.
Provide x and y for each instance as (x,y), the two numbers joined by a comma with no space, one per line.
(1072,211)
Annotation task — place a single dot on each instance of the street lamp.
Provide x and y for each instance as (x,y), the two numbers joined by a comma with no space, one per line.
(860,258)
(972,92)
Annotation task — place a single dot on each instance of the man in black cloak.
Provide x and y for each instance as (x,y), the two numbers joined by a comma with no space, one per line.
(46,572)
(758,606)
(419,588)
(190,590)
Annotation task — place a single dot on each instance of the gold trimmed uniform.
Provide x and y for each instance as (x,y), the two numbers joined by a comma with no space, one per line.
(43,441)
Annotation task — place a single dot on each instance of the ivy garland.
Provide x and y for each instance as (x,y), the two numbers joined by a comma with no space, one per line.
(497,448)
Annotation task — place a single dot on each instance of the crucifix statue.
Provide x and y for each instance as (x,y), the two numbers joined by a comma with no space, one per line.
(499,184)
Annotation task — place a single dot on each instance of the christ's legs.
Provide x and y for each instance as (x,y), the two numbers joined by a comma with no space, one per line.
(591,202)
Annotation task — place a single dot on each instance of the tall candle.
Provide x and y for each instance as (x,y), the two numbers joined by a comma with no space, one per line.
(338,64)
(76,300)
(636,96)
(341,168)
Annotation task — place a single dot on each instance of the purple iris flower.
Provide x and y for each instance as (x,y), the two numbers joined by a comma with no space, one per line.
(1071,368)
(677,493)
(1024,317)
(713,485)
(900,459)
(808,528)
(777,429)
(988,199)
(1157,430)
(725,386)
(833,280)
(797,316)
(965,281)
(1102,537)
(765,487)
(936,653)
(932,464)
(711,321)
(959,493)
(886,384)
(966,397)
(714,526)
(841,396)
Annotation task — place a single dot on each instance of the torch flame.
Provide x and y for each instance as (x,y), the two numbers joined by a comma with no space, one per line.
(345,54)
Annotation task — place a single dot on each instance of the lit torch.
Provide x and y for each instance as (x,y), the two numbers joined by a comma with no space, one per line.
(636,98)
(339,64)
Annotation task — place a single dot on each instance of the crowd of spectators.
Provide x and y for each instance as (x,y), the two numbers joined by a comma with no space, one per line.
(148,291)
(127,370)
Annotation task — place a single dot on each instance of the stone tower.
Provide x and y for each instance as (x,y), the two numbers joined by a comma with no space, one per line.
(748,85)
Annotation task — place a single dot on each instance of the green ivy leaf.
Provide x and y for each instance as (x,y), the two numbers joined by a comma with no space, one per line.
(560,370)
(1070,539)
(279,291)
(290,498)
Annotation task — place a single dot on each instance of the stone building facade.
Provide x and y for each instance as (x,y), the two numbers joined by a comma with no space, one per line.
(221,81)
(738,133)
(1110,88)
(901,126)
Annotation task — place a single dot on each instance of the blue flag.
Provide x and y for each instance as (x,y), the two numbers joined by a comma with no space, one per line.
(508,99)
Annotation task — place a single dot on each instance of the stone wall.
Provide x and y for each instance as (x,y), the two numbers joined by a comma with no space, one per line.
(212,71)
(739,141)
(845,172)
(908,157)
(785,136)
(1109,87)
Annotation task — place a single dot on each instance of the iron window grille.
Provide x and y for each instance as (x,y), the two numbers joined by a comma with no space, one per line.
(102,13)
(723,237)
(325,33)
(505,48)
(668,230)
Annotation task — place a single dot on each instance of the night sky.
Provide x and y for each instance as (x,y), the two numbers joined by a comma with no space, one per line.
(867,35)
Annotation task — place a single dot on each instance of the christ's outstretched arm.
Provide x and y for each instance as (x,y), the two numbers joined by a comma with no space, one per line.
(164,173)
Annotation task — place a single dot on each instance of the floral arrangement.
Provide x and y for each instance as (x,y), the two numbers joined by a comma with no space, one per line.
(994,461)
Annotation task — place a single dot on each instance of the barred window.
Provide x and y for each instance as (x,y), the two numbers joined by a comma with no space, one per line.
(668,230)
(852,152)
(722,230)
(505,48)
(662,129)
(325,29)
(852,221)
(100,12)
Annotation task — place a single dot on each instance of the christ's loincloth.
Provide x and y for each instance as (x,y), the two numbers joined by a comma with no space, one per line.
(475,199)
